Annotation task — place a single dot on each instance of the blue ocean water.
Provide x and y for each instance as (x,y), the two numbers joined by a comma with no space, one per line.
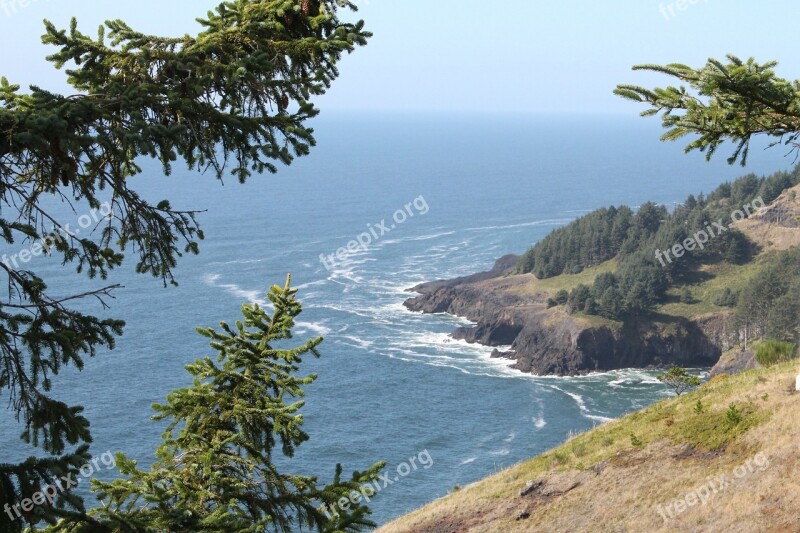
(392,384)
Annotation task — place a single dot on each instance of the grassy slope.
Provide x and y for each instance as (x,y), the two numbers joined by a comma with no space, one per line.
(620,485)
(705,287)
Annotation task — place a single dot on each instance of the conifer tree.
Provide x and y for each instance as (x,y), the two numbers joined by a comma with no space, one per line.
(235,98)
(215,470)
(725,101)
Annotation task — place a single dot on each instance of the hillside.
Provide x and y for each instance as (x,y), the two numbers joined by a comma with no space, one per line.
(592,295)
(670,467)
(777,227)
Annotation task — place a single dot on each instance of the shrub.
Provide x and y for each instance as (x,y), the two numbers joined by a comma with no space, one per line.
(678,379)
(733,415)
(686,296)
(773,352)
(561,297)
(726,298)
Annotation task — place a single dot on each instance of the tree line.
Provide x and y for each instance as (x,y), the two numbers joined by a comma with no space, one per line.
(641,281)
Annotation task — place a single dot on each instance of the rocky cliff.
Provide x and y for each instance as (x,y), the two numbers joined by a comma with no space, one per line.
(516,320)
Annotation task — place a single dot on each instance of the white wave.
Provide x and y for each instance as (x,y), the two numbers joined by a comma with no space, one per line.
(360,343)
(539,422)
(548,222)
(582,406)
(510,437)
(239,262)
(468,461)
(501,452)
(312,284)
(314,327)
(255,297)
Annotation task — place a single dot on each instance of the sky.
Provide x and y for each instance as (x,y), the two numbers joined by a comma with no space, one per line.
(562,56)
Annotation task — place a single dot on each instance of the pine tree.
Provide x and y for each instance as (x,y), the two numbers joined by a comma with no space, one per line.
(726,101)
(235,98)
(215,470)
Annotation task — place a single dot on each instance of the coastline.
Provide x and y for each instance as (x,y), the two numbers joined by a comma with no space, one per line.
(510,310)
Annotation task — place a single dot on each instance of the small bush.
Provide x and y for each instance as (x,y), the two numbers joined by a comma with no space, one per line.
(726,299)
(636,441)
(698,408)
(679,380)
(560,458)
(578,449)
(733,416)
(686,296)
(773,352)
(561,297)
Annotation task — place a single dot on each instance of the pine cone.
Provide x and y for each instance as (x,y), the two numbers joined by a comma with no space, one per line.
(306,7)
(284,101)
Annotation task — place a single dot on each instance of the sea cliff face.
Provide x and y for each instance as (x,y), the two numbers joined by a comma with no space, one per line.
(552,342)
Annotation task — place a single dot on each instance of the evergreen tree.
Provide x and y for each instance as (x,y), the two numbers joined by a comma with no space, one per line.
(215,470)
(726,101)
(679,380)
(234,98)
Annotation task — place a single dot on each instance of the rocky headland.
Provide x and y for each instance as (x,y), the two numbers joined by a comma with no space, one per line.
(512,315)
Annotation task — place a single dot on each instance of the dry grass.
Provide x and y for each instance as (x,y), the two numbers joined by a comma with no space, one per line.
(771,235)
(601,481)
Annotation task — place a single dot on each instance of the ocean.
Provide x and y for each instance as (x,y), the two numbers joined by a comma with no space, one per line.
(439,195)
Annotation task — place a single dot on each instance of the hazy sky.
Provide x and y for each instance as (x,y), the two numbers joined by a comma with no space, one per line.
(514,55)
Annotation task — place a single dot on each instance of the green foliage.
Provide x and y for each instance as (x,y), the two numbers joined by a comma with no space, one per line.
(215,470)
(679,380)
(235,98)
(730,101)
(773,352)
(727,298)
(686,296)
(562,296)
(713,431)
(588,241)
(769,306)
(698,408)
(642,278)
(636,441)
(578,298)
(733,416)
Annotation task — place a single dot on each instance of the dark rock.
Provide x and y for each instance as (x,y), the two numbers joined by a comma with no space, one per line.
(531,487)
(548,341)
(735,361)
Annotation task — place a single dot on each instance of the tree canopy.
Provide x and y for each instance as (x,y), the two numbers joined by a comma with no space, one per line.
(734,101)
(216,470)
(235,98)
(640,281)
